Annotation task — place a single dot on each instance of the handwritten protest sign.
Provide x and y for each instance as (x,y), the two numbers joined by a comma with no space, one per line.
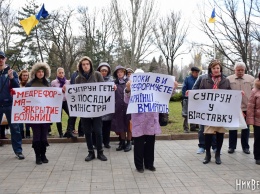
(150,92)
(37,105)
(214,107)
(90,99)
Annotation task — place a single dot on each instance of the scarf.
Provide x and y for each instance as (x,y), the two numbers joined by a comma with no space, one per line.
(62,81)
(216,79)
(86,75)
(122,80)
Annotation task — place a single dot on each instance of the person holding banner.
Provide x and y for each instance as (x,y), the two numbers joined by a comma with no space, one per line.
(39,74)
(129,72)
(214,80)
(23,78)
(145,126)
(87,74)
(60,81)
(243,82)
(120,121)
(9,80)
(105,70)
(253,117)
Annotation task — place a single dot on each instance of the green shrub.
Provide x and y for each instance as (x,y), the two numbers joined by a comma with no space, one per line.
(176,97)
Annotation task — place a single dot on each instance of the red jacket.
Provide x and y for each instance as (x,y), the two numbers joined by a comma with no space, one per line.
(253,107)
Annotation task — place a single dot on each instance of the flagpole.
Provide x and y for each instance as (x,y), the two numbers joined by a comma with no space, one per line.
(214,41)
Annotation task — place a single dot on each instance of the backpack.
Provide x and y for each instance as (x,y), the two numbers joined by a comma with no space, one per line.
(163,119)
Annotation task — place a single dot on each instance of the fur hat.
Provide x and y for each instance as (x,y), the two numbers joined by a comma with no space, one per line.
(44,66)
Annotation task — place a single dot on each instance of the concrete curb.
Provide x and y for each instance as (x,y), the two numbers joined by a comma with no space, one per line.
(180,136)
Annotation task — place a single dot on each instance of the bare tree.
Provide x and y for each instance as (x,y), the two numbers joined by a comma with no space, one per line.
(233,29)
(98,36)
(7,19)
(170,35)
(138,21)
(59,43)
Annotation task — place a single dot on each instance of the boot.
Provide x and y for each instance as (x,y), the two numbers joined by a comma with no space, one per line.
(43,152)
(37,150)
(101,156)
(71,135)
(91,156)
(121,145)
(128,146)
(207,158)
(59,127)
(217,157)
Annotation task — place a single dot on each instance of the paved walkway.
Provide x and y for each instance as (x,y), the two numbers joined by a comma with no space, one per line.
(179,170)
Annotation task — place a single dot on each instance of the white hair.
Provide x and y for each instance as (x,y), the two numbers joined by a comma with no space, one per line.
(240,64)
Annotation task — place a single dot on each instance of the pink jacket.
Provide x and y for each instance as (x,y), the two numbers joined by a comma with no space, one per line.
(253,107)
(56,83)
(144,123)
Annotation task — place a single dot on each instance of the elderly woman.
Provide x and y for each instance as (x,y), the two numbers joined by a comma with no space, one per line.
(253,117)
(214,80)
(60,81)
(39,74)
(145,127)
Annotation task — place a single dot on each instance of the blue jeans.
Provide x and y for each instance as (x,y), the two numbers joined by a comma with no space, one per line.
(95,124)
(16,137)
(202,138)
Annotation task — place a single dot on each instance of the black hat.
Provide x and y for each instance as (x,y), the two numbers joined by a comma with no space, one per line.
(2,54)
(195,69)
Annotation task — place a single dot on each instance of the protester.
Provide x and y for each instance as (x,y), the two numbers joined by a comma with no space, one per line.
(60,81)
(243,82)
(187,85)
(253,117)
(120,120)
(214,80)
(146,126)
(87,74)
(39,74)
(129,72)
(105,70)
(9,80)
(201,137)
(23,78)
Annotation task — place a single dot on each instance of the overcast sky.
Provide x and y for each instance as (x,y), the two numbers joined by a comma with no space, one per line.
(189,9)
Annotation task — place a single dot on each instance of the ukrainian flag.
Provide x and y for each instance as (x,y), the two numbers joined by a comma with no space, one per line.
(212,19)
(29,23)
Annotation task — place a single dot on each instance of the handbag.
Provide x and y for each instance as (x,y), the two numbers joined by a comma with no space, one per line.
(163,119)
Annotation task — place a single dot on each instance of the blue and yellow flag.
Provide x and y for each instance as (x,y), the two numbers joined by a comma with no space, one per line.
(29,23)
(212,19)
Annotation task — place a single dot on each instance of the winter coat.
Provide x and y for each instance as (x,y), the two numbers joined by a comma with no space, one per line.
(253,107)
(207,83)
(188,84)
(120,120)
(56,83)
(108,78)
(73,77)
(246,84)
(6,98)
(144,123)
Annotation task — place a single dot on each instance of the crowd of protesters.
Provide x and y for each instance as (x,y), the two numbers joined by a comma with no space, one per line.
(141,126)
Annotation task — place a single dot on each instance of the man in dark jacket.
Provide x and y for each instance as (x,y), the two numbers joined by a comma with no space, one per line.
(9,80)
(187,85)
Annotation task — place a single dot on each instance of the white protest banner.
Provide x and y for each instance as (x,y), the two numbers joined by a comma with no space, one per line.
(37,105)
(90,99)
(150,92)
(220,108)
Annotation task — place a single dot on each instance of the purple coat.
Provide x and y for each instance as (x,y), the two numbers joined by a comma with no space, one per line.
(120,120)
(144,123)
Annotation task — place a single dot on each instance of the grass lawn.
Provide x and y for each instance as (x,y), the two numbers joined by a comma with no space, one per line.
(174,125)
